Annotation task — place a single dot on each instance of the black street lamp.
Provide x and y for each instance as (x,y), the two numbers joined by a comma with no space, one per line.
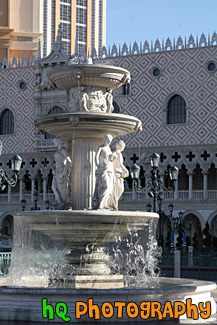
(154,183)
(47,204)
(35,196)
(161,215)
(190,221)
(16,162)
(23,204)
(148,206)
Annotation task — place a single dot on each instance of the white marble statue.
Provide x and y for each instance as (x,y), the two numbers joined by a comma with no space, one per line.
(120,172)
(104,174)
(77,100)
(109,101)
(61,174)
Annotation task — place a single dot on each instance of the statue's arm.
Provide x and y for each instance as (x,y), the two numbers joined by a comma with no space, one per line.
(125,172)
(97,156)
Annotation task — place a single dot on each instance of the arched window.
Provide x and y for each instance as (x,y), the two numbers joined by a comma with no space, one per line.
(7,122)
(116,107)
(126,89)
(54,110)
(7,226)
(176,110)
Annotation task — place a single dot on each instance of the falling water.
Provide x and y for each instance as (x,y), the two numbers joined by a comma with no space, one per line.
(136,257)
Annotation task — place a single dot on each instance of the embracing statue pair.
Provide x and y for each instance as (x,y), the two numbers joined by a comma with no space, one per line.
(110,174)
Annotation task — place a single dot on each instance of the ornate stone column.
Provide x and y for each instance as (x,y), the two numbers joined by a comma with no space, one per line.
(147,176)
(205,192)
(176,193)
(83,175)
(190,186)
(21,189)
(9,193)
(134,194)
(44,189)
(32,188)
(162,180)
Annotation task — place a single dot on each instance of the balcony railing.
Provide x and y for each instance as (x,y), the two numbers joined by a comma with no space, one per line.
(5,241)
(45,144)
(197,194)
(5,262)
(212,194)
(182,195)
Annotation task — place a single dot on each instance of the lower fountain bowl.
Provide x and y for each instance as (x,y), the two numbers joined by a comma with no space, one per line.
(26,303)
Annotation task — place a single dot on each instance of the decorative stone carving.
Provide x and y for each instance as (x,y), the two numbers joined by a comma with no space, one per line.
(213,39)
(45,83)
(23,61)
(124,50)
(90,100)
(103,52)
(61,174)
(32,60)
(157,46)
(135,49)
(191,42)
(114,51)
(120,172)
(104,174)
(203,41)
(146,47)
(168,45)
(5,63)
(179,43)
(14,62)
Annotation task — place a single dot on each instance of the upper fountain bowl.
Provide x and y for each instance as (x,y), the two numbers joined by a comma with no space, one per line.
(88,75)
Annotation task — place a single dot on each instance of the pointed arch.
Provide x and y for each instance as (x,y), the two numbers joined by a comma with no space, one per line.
(175,109)
(54,110)
(6,122)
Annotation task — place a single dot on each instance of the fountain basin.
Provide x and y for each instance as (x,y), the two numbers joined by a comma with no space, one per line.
(88,125)
(89,75)
(26,303)
(84,226)
(68,246)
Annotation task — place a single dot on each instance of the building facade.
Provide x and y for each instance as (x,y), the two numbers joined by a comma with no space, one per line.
(20,29)
(173,92)
(24,22)
(83,23)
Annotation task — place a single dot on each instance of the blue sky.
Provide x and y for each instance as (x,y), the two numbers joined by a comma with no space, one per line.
(138,20)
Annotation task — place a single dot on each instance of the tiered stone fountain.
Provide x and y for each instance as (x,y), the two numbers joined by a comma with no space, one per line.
(50,256)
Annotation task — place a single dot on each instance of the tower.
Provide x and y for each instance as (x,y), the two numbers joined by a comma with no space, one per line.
(19,28)
(83,21)
(24,22)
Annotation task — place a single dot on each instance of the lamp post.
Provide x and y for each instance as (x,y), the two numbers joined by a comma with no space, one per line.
(154,183)
(35,196)
(47,204)
(23,204)
(176,222)
(190,221)
(16,162)
(161,214)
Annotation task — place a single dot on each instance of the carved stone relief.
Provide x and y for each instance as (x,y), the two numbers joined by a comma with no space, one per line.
(90,99)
